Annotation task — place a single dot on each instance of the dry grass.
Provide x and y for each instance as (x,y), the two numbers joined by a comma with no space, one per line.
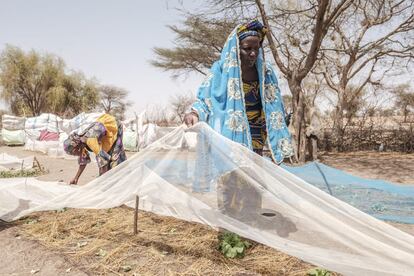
(101,242)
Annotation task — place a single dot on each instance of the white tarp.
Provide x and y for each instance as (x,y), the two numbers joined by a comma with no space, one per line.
(13,137)
(40,146)
(130,140)
(45,121)
(131,124)
(222,184)
(51,148)
(32,134)
(53,123)
(57,151)
(19,193)
(11,122)
(149,133)
(130,133)
(146,135)
(9,162)
(78,123)
(33,126)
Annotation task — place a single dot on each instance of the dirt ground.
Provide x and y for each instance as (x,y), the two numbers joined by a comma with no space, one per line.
(23,256)
(20,256)
(59,169)
(390,166)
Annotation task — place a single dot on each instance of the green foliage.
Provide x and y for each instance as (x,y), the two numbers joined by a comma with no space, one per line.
(33,83)
(31,221)
(75,94)
(318,272)
(404,99)
(113,100)
(27,77)
(64,209)
(21,173)
(232,246)
(199,43)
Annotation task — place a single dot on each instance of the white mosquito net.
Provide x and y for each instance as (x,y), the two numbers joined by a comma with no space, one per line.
(197,175)
(9,162)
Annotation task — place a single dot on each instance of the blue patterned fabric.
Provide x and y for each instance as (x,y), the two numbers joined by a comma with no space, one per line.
(220,101)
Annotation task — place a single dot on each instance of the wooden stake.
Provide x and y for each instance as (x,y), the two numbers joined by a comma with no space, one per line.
(136,215)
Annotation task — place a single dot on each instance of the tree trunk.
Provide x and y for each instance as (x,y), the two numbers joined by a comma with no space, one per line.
(298,120)
(338,128)
(302,142)
(312,143)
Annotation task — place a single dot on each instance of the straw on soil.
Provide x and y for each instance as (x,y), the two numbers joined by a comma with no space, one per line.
(102,242)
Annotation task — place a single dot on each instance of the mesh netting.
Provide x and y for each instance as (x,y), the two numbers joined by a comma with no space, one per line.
(220,183)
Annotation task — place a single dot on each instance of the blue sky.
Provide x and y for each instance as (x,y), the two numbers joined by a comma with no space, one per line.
(109,40)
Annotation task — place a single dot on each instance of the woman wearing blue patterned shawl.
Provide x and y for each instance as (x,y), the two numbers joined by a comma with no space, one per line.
(240,98)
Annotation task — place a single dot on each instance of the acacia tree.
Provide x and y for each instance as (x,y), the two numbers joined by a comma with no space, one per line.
(114,100)
(27,79)
(33,83)
(404,99)
(179,105)
(198,45)
(357,56)
(74,94)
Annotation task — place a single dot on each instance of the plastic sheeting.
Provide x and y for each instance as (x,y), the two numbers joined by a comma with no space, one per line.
(40,146)
(11,122)
(79,123)
(48,136)
(130,140)
(222,184)
(51,148)
(13,137)
(45,121)
(381,199)
(149,133)
(25,193)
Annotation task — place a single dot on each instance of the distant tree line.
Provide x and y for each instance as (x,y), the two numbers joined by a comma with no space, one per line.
(32,83)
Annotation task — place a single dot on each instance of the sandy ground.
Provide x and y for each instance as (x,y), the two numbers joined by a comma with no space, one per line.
(390,166)
(59,169)
(20,256)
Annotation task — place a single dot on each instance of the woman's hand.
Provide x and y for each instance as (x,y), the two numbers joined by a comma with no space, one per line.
(74,181)
(191,118)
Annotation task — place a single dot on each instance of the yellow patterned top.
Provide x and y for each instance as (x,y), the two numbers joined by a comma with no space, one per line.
(255,114)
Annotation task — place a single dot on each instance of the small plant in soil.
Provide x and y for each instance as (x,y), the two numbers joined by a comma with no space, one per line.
(21,173)
(232,246)
(318,272)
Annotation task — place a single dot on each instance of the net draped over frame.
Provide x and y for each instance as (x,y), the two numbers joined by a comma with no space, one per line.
(198,175)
